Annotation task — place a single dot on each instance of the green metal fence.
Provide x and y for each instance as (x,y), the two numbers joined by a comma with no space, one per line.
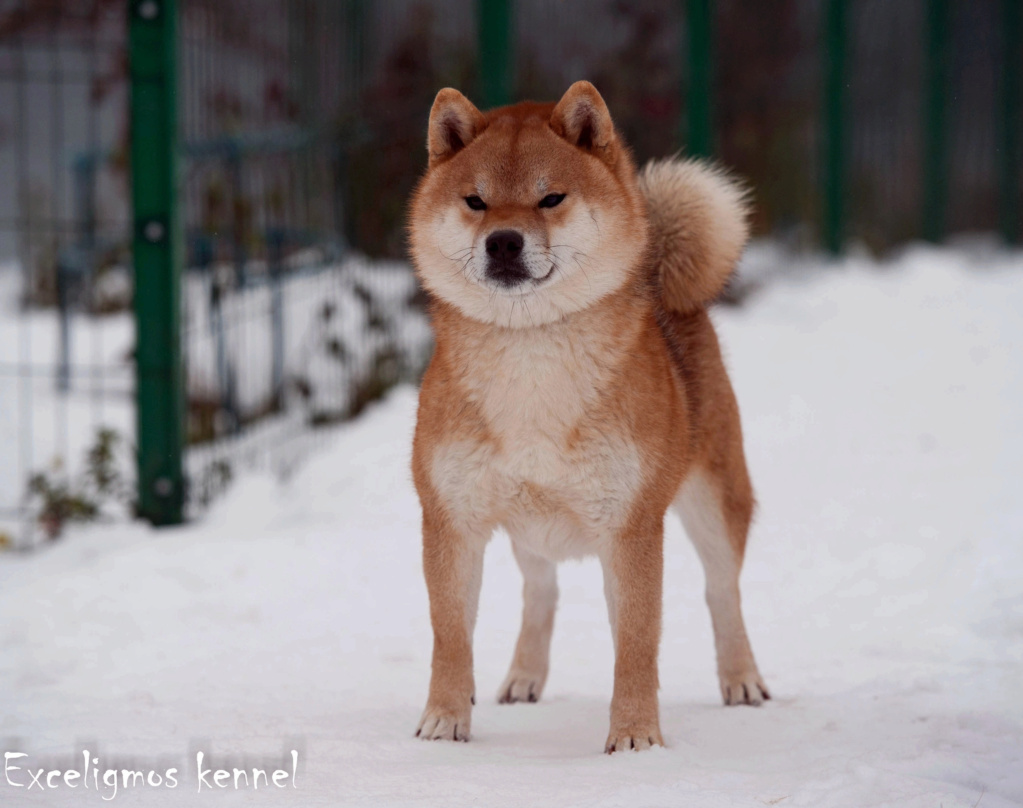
(157,254)
(269,143)
(502,65)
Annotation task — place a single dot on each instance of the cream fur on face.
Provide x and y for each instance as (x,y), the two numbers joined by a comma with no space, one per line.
(588,257)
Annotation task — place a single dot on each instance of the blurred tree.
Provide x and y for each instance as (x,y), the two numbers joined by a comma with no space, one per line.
(766,107)
(639,79)
(385,139)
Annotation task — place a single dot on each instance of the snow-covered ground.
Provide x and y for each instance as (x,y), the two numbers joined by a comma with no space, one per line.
(883,591)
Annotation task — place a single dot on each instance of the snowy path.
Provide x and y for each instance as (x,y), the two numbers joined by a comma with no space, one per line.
(883,591)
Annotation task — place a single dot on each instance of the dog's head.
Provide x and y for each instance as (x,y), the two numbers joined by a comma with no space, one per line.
(528,213)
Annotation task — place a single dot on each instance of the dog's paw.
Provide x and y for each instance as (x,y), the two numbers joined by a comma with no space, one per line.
(521,685)
(634,736)
(744,688)
(439,724)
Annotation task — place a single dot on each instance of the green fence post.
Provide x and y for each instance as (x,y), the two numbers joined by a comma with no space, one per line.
(156,252)
(354,20)
(496,57)
(701,78)
(833,175)
(1011,145)
(935,121)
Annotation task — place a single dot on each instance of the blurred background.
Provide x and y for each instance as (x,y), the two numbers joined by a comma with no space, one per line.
(202,202)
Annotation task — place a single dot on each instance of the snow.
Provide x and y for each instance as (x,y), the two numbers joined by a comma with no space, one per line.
(883,591)
(328,343)
(39,430)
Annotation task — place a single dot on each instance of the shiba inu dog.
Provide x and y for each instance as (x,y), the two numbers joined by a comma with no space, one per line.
(576,391)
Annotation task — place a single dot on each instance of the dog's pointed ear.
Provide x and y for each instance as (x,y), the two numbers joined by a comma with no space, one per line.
(454,123)
(581,117)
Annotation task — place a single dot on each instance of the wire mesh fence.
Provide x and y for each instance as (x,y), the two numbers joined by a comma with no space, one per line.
(65,277)
(283,328)
(300,137)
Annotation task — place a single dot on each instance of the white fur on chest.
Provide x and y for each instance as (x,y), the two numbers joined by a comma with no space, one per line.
(533,385)
(561,497)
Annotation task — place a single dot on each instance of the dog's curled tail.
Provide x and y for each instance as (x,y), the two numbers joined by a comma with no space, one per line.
(698,228)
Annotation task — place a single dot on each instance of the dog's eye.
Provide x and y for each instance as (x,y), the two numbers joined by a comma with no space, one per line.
(551,200)
(475,203)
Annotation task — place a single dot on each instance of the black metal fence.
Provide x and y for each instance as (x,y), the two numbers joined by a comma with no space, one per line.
(300,136)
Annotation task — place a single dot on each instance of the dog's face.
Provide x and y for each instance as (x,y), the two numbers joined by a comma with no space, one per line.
(527,214)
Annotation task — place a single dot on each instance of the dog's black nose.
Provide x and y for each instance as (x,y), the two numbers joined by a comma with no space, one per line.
(504,244)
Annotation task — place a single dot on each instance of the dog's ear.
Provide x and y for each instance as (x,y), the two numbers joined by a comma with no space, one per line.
(454,122)
(581,118)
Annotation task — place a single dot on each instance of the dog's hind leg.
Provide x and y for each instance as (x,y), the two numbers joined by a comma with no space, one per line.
(716,509)
(529,666)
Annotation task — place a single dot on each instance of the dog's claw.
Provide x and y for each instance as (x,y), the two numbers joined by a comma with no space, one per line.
(520,687)
(638,741)
(440,725)
(744,689)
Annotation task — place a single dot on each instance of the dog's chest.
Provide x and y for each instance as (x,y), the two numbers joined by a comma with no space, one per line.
(557,471)
(533,399)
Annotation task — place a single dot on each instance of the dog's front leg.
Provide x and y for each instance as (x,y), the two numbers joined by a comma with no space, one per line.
(453,564)
(633,574)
